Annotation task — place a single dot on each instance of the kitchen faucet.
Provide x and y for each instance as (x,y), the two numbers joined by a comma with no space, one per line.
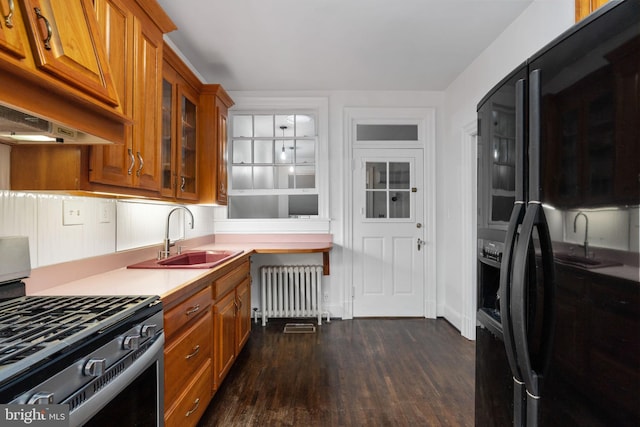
(586,231)
(167,242)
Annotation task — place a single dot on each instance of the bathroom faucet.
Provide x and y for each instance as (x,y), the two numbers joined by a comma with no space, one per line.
(167,242)
(586,232)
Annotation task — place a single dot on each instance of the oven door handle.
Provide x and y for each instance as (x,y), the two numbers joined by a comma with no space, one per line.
(95,403)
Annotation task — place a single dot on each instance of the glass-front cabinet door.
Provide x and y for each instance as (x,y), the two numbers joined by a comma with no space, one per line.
(179,142)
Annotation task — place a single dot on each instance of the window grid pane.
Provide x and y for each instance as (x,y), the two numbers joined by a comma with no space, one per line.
(281,154)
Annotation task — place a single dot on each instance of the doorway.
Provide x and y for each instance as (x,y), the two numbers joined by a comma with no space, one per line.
(391,212)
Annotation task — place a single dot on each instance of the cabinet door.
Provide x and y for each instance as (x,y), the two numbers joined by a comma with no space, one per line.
(66,44)
(147,98)
(167,152)
(11,40)
(243,296)
(187,147)
(224,337)
(114,164)
(221,139)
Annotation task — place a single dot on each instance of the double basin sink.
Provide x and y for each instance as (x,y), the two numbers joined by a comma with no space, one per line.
(189,259)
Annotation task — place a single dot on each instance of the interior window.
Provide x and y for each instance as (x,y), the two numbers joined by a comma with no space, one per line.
(273,165)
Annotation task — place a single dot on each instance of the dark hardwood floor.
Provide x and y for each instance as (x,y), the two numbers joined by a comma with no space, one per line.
(361,372)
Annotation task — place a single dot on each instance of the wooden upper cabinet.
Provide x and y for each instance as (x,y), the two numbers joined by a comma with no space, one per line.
(180,153)
(212,175)
(585,7)
(11,35)
(65,43)
(135,51)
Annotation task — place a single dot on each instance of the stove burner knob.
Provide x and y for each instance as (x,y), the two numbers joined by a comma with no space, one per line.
(41,398)
(95,367)
(148,331)
(131,342)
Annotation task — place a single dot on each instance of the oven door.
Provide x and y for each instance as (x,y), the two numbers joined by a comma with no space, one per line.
(134,397)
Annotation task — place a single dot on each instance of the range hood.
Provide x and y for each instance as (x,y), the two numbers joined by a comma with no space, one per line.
(17,127)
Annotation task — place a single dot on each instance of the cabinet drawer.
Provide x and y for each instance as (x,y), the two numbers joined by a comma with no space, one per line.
(186,311)
(192,404)
(230,280)
(183,357)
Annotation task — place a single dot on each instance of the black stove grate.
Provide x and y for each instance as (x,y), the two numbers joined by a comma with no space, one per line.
(30,326)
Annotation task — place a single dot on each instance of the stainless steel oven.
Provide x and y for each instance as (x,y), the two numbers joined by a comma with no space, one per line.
(100,355)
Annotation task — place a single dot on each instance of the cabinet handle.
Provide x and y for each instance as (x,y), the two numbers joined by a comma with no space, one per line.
(193,309)
(47,40)
(196,403)
(183,183)
(8,19)
(196,350)
(133,161)
(222,188)
(141,163)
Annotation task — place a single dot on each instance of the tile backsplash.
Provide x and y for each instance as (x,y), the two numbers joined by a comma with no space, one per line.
(94,226)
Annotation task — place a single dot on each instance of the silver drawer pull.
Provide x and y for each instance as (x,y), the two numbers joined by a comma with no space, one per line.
(193,309)
(196,350)
(196,403)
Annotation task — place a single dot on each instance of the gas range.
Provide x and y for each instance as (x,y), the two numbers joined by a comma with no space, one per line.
(67,349)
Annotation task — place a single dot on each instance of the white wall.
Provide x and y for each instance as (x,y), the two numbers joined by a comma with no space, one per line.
(108,225)
(536,26)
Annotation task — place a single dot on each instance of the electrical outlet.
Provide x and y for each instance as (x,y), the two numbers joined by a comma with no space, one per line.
(104,212)
(325,298)
(73,212)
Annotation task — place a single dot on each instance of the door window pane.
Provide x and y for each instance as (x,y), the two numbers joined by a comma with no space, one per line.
(399,175)
(388,195)
(376,204)
(376,175)
(399,204)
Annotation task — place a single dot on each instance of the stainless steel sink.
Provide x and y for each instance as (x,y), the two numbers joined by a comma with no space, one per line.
(189,259)
(580,261)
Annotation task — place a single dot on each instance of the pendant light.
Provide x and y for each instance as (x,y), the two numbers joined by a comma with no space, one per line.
(283,154)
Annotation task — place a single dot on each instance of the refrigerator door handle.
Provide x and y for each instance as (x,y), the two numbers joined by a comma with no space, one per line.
(532,377)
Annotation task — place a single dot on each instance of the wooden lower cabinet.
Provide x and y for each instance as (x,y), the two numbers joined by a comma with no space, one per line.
(224,337)
(204,333)
(231,318)
(193,402)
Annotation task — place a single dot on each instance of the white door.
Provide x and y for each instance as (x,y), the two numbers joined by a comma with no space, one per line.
(388,217)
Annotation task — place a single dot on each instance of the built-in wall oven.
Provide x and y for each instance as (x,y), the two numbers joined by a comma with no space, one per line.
(100,355)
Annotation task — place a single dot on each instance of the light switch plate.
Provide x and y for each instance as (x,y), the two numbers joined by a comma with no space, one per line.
(73,212)
(104,212)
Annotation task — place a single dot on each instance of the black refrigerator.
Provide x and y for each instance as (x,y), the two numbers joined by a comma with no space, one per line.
(558,320)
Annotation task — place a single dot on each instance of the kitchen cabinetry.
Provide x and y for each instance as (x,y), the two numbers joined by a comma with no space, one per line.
(232,319)
(204,332)
(179,144)
(66,44)
(70,82)
(133,35)
(11,39)
(188,358)
(212,175)
(585,7)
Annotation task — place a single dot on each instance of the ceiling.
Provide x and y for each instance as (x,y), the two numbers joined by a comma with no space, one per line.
(336,44)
